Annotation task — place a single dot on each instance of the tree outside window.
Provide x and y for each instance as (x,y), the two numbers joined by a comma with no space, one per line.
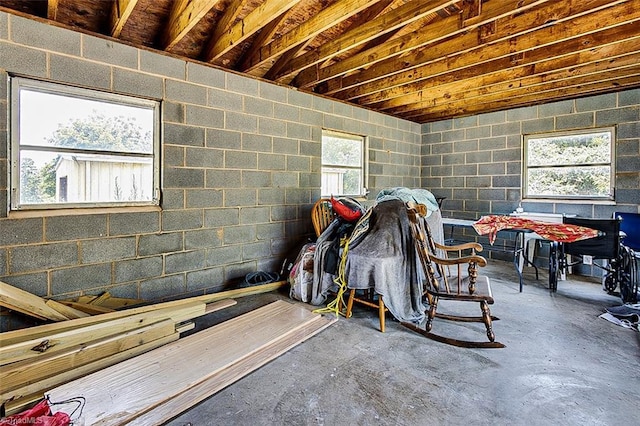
(76,147)
(342,164)
(570,165)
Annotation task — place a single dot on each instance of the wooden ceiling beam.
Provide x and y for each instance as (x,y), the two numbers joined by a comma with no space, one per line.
(245,28)
(184,15)
(573,52)
(228,18)
(264,37)
(328,17)
(440,30)
(361,34)
(555,93)
(488,90)
(52,9)
(542,35)
(362,18)
(120,14)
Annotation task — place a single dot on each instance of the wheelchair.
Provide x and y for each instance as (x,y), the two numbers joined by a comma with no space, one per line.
(620,267)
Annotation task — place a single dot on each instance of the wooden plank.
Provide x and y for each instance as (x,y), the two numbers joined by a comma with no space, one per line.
(120,14)
(386,23)
(184,15)
(87,307)
(65,310)
(325,19)
(114,303)
(219,299)
(29,304)
(67,338)
(99,300)
(132,387)
(223,378)
(40,387)
(174,311)
(247,27)
(29,371)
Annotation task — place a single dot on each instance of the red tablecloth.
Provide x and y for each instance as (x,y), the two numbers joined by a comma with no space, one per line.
(560,232)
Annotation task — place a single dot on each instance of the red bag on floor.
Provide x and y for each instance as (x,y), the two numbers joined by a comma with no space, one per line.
(39,415)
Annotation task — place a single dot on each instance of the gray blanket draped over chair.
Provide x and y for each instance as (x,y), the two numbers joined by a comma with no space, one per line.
(384,259)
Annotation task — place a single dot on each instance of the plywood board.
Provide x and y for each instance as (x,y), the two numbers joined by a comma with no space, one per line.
(223,378)
(123,392)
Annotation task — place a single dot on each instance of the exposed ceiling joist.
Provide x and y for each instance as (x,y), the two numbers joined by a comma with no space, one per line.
(421,60)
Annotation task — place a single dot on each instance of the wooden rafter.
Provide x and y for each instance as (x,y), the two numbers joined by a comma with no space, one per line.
(328,17)
(120,14)
(443,29)
(586,52)
(530,32)
(185,14)
(246,27)
(52,9)
(367,31)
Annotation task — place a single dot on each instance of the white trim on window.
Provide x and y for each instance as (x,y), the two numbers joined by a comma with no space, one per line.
(109,170)
(569,165)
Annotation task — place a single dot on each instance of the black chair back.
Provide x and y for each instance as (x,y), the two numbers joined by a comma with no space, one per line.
(604,246)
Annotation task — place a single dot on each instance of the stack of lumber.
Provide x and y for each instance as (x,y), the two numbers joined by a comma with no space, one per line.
(29,304)
(37,359)
(160,384)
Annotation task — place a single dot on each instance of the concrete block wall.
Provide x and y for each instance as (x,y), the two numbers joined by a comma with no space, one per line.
(240,172)
(476,161)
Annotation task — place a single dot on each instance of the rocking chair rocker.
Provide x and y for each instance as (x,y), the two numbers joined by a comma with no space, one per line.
(471,288)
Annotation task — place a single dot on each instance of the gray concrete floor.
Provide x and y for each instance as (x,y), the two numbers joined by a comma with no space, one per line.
(562,366)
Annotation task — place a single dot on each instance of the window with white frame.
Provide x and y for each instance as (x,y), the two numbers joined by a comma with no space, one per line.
(73,147)
(343,164)
(570,165)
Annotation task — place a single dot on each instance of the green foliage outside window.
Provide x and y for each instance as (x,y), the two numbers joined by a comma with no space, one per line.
(569,166)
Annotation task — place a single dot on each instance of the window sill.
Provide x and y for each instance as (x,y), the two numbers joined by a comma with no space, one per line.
(25,214)
(569,201)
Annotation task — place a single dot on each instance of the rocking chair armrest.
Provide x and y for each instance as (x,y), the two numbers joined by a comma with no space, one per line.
(458,247)
(479,260)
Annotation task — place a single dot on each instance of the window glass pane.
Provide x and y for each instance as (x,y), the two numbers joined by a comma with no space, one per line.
(568,165)
(570,181)
(84,123)
(589,148)
(342,164)
(341,151)
(82,148)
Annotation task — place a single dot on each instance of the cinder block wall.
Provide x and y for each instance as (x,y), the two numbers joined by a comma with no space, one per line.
(240,171)
(476,162)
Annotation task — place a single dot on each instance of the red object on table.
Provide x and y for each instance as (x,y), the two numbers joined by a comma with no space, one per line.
(559,232)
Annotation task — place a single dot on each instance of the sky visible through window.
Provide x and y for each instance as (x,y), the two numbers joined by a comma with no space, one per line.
(41,114)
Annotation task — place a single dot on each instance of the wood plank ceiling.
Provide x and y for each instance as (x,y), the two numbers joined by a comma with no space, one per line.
(422,60)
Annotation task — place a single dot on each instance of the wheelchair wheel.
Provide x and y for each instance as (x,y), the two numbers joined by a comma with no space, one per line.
(610,283)
(553,266)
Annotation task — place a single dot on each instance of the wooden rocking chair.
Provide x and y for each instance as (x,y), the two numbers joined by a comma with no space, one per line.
(470,288)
